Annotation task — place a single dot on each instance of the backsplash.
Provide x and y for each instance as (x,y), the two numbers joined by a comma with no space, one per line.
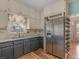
(34,30)
(5,34)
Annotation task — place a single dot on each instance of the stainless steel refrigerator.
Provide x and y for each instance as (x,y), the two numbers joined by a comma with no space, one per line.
(54,42)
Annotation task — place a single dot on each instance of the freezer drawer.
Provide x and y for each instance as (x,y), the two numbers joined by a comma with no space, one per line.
(49,46)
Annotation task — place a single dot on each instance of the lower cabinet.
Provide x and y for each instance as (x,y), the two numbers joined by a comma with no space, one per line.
(40,42)
(34,44)
(27,46)
(7,52)
(0,53)
(15,49)
(18,50)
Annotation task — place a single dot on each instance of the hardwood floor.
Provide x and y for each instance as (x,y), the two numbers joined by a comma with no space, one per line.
(74,51)
(39,54)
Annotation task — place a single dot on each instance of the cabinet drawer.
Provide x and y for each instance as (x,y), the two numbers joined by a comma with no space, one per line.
(5,44)
(18,42)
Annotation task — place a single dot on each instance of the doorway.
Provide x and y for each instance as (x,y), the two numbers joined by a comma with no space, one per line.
(74,42)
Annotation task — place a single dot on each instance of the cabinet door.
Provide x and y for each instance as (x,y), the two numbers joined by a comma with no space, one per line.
(3,19)
(18,50)
(26,46)
(41,42)
(0,52)
(34,44)
(14,6)
(7,52)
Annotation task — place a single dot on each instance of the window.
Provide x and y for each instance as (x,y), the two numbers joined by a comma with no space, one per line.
(17,22)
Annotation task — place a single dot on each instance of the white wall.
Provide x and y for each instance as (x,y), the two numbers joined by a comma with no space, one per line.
(18,8)
(54,8)
(3,20)
(42,20)
(3,13)
(37,18)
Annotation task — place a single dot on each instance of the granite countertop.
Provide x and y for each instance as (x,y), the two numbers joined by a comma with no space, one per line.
(5,38)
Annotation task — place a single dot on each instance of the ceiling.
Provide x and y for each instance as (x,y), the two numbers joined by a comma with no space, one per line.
(37,4)
(75,19)
(72,1)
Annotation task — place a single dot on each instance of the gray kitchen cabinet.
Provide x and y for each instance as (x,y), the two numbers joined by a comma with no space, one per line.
(40,42)
(27,46)
(7,52)
(18,49)
(0,52)
(34,44)
(37,44)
